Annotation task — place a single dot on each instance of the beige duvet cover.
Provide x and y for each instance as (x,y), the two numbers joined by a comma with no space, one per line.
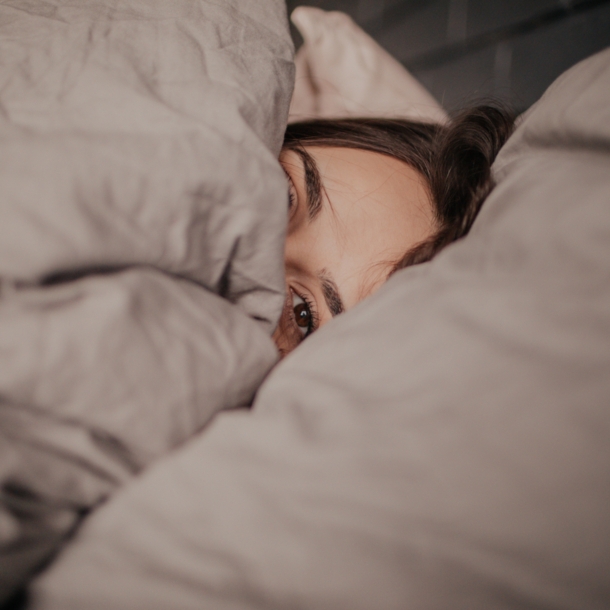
(443,445)
(142,212)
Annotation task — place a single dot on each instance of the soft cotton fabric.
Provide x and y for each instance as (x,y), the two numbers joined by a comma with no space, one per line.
(342,72)
(124,126)
(442,445)
(99,378)
(142,214)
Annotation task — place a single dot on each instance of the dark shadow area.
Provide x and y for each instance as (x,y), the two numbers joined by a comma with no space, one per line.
(462,50)
(19,601)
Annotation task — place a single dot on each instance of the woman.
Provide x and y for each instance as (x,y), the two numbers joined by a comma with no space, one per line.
(368,197)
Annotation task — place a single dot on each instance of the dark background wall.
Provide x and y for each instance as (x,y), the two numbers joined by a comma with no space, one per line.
(462,50)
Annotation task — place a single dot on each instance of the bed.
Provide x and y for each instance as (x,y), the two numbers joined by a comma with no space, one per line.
(442,445)
(140,280)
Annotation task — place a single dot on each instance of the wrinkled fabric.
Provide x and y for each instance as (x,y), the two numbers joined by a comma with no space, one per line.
(444,444)
(138,117)
(342,72)
(142,218)
(99,377)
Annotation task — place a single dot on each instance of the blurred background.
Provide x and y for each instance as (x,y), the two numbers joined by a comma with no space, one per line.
(463,50)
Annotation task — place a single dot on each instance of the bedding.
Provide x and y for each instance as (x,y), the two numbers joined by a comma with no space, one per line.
(142,213)
(342,72)
(442,445)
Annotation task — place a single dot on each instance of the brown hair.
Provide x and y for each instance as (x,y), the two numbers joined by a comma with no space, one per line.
(455,161)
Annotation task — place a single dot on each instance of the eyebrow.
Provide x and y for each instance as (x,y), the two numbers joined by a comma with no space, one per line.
(313,183)
(331,293)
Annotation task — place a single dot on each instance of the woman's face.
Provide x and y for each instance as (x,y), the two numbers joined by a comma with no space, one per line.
(353,215)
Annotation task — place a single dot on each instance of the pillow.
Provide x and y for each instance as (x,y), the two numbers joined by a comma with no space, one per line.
(124,125)
(442,445)
(343,72)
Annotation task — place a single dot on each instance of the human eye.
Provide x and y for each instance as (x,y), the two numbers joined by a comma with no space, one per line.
(304,314)
(292,195)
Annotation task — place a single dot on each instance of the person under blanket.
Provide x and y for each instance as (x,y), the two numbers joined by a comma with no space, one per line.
(368,197)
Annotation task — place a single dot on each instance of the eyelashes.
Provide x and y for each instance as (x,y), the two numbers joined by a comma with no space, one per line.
(291,199)
(298,320)
(303,314)
(300,314)
(292,194)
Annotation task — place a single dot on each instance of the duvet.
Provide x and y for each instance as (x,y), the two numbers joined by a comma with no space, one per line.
(443,445)
(142,212)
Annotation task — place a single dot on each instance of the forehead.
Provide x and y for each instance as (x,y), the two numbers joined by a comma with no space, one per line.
(361,170)
(352,167)
(374,208)
(373,194)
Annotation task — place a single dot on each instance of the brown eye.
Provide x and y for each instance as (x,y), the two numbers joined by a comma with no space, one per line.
(302,314)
